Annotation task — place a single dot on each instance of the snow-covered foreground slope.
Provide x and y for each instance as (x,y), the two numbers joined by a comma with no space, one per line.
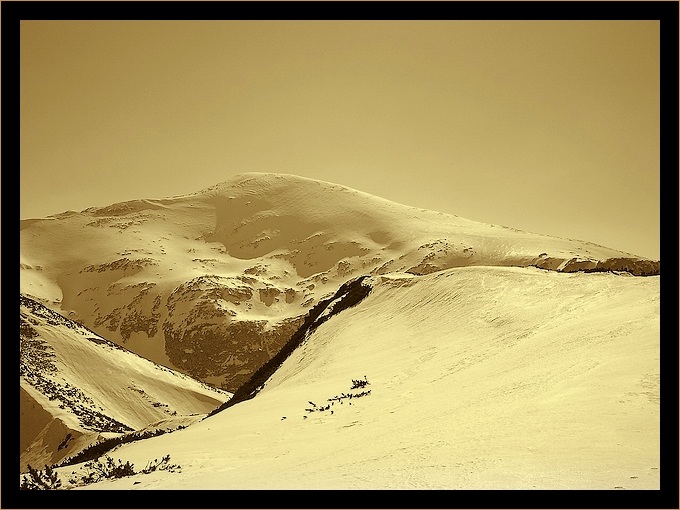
(77,388)
(479,377)
(215,282)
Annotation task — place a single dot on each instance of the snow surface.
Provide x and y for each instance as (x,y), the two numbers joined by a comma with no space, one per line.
(485,371)
(213,283)
(77,388)
(480,378)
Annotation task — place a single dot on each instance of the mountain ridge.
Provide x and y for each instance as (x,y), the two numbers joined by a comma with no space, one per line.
(290,291)
(77,387)
(471,378)
(213,283)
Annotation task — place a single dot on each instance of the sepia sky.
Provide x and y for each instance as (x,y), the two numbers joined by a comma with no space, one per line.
(545,126)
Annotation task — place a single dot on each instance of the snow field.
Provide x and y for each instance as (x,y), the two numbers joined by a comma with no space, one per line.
(480,378)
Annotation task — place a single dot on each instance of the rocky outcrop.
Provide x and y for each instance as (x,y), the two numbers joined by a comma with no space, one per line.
(226,352)
(348,295)
(439,255)
(123,264)
(633,265)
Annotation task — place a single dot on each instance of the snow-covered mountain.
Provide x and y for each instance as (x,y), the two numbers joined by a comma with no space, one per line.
(467,378)
(369,344)
(214,283)
(77,388)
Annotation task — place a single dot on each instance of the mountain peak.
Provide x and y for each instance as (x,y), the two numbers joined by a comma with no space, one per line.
(246,259)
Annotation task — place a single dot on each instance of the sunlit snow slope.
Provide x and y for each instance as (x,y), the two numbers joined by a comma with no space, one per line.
(479,378)
(76,388)
(215,282)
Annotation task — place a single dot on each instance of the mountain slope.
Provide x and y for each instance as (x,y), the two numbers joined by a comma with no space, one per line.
(479,378)
(214,283)
(76,388)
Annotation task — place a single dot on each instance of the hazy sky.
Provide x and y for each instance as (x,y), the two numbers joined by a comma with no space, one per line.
(546,126)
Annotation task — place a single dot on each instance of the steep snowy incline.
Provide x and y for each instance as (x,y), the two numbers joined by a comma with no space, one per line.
(215,282)
(76,388)
(476,378)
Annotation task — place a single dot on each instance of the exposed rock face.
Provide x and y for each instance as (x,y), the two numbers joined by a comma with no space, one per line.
(227,350)
(441,254)
(632,265)
(348,295)
(206,338)
(124,264)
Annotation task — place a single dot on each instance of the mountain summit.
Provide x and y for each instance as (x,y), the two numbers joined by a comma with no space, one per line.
(213,283)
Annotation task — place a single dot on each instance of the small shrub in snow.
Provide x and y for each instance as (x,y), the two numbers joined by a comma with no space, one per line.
(95,471)
(40,480)
(359,383)
(96,450)
(107,468)
(161,465)
(356,383)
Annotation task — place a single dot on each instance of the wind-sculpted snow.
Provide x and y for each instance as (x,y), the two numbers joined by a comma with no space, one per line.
(214,283)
